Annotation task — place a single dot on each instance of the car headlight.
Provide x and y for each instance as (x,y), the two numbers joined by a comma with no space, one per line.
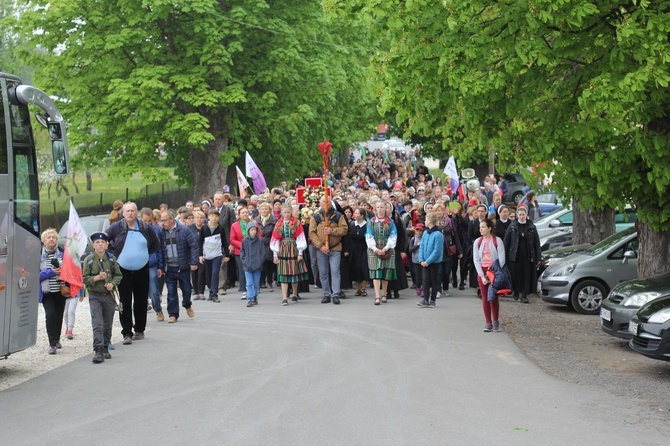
(639,299)
(660,317)
(564,270)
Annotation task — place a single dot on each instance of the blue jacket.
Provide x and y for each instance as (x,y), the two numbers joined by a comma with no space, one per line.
(501,280)
(432,246)
(187,247)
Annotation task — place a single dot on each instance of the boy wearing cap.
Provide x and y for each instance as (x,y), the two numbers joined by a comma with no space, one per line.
(101,275)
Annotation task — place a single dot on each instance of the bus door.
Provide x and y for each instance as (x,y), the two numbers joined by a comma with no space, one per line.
(4,230)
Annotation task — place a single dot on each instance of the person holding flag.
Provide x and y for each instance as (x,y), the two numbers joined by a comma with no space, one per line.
(75,247)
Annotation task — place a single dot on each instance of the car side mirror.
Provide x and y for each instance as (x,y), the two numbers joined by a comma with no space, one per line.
(628,255)
(555,224)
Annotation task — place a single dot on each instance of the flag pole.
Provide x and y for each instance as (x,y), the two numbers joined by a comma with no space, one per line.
(324,148)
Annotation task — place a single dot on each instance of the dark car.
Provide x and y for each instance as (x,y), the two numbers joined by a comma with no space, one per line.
(90,223)
(650,328)
(515,184)
(627,298)
(560,239)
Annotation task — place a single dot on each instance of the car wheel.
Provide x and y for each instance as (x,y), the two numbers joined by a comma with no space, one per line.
(587,296)
(517,197)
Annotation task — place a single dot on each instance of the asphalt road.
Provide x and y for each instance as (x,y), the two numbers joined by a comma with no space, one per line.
(313,374)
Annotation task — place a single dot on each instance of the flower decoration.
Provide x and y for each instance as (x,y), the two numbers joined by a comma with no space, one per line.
(313,196)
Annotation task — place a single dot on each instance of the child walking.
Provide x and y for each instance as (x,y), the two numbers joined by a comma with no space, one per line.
(414,246)
(252,255)
(101,276)
(430,257)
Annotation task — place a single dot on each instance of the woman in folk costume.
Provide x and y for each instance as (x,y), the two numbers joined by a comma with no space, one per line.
(381,237)
(288,242)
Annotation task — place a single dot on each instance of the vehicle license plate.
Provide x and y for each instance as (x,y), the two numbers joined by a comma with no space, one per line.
(632,328)
(606,314)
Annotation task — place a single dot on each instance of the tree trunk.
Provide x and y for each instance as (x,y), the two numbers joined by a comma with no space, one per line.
(590,226)
(89,181)
(58,191)
(654,251)
(49,191)
(62,185)
(208,173)
(74,183)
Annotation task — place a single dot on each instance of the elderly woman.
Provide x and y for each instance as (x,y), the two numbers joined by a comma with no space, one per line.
(50,289)
(266,224)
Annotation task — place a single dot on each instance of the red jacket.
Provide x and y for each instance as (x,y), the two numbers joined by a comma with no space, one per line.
(236,237)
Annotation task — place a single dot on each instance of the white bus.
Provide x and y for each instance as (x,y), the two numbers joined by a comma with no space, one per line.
(19,208)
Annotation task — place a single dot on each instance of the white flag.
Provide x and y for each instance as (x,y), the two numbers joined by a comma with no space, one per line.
(450,169)
(242,183)
(75,247)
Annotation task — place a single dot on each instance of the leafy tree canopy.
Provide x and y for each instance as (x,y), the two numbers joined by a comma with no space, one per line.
(206,80)
(576,87)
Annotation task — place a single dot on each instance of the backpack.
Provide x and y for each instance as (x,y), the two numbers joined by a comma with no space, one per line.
(495,242)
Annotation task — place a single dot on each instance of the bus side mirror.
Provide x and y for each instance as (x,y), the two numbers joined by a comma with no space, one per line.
(59,151)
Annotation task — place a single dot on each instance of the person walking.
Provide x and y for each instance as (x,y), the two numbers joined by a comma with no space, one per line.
(414,246)
(213,251)
(326,229)
(50,295)
(156,268)
(132,241)
(180,251)
(199,276)
(252,254)
(288,244)
(430,258)
(266,224)
(238,231)
(522,243)
(358,257)
(101,275)
(381,238)
(486,250)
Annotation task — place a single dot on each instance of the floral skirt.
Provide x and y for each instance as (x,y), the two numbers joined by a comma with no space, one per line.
(381,269)
(289,269)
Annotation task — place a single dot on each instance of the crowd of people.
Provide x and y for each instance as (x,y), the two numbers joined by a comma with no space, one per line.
(387,222)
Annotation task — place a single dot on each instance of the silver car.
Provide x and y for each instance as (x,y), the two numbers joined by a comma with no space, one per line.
(582,280)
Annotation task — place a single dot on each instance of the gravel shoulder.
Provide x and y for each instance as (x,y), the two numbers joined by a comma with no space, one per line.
(574,348)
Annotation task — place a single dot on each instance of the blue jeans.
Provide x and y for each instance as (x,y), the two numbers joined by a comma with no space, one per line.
(329,263)
(253,279)
(172,278)
(213,268)
(155,289)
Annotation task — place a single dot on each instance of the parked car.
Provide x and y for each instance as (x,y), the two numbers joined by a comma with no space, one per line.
(582,280)
(627,298)
(557,220)
(396,145)
(650,328)
(515,184)
(90,223)
(561,220)
(549,202)
(552,255)
(557,239)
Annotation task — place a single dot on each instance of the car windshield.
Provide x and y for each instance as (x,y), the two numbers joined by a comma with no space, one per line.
(550,216)
(548,198)
(610,241)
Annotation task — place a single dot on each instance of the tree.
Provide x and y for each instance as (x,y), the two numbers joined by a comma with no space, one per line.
(579,87)
(207,80)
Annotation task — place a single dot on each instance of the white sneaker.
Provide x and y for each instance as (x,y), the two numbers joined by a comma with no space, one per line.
(445,294)
(438,295)
(244,296)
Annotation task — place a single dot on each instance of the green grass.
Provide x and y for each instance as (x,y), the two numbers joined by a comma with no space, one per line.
(110,188)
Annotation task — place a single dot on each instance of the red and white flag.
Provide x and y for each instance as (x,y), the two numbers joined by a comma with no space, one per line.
(75,247)
(242,183)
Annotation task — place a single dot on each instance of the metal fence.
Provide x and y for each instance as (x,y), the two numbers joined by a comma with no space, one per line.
(56,212)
